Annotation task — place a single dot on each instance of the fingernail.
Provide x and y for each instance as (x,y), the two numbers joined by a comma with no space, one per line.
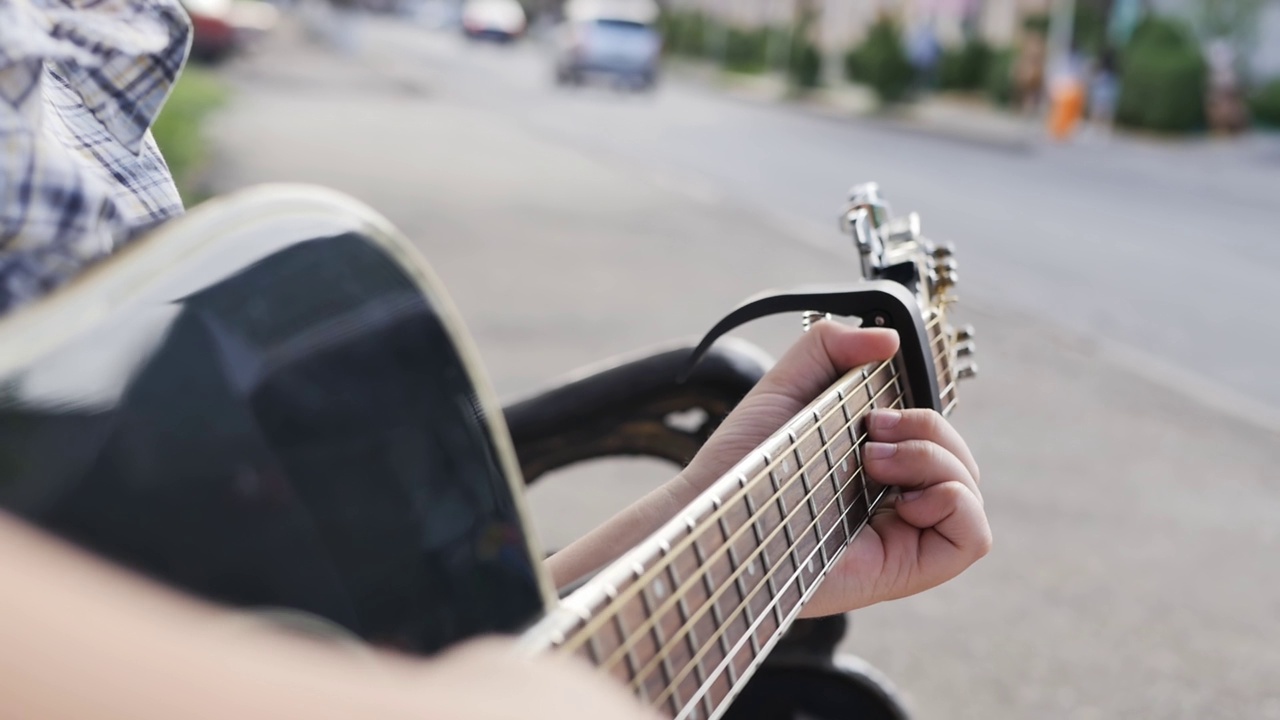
(879,450)
(885,419)
(910,495)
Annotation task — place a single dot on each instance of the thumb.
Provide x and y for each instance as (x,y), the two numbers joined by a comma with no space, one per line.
(823,354)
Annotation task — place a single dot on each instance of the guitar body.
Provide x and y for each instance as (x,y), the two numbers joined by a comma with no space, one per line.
(270,403)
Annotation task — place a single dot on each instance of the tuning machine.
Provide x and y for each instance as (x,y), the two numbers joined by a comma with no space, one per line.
(944,267)
(965,349)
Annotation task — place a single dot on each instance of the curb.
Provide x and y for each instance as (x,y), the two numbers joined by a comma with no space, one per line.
(757,89)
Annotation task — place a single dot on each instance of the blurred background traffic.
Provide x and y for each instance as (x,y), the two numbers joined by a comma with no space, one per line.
(592,178)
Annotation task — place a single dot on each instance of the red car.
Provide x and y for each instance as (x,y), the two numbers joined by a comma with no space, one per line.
(222,27)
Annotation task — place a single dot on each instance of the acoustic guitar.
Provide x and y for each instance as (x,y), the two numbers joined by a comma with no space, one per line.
(270,403)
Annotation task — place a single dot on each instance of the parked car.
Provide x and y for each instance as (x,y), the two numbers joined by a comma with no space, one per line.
(612,40)
(500,20)
(222,27)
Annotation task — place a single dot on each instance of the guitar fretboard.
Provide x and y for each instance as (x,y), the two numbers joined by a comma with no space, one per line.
(684,619)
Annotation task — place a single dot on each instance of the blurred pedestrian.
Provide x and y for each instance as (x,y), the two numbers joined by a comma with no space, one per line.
(1104,94)
(924,52)
(1224,98)
(1066,98)
(1028,70)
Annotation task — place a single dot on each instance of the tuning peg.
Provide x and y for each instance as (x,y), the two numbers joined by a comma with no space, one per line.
(946,278)
(966,349)
(943,251)
(964,334)
(966,371)
(904,229)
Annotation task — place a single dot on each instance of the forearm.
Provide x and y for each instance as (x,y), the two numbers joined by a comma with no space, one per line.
(83,639)
(620,533)
(745,428)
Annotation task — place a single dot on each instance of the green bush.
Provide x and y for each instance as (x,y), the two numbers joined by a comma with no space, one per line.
(746,50)
(805,67)
(1089,28)
(852,72)
(1037,23)
(684,33)
(999,79)
(179,129)
(1162,79)
(1265,104)
(881,62)
(964,68)
(778,41)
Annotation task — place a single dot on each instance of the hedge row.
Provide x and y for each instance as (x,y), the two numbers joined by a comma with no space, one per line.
(746,50)
(1162,69)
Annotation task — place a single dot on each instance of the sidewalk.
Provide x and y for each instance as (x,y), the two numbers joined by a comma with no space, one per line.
(960,119)
(1245,167)
(970,119)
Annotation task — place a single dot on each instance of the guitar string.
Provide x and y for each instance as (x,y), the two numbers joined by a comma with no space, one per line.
(581,636)
(773,603)
(776,600)
(729,541)
(743,607)
(616,603)
(688,624)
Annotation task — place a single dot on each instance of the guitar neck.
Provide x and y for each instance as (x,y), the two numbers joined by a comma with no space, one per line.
(685,618)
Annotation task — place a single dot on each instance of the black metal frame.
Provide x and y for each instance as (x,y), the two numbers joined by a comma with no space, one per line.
(644,406)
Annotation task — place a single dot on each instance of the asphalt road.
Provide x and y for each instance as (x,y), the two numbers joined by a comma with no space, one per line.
(1123,419)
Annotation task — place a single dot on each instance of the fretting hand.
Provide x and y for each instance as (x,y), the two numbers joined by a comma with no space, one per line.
(930,533)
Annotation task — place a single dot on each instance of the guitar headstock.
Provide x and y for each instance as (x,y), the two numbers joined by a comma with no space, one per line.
(906,286)
(894,248)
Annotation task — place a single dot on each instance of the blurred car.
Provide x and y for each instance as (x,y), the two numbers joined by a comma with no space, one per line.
(501,20)
(438,14)
(615,40)
(222,27)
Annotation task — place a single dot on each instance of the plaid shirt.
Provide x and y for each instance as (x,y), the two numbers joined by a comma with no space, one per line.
(80,83)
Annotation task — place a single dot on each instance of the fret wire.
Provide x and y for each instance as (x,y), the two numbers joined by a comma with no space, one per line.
(579,637)
(835,479)
(764,551)
(783,512)
(710,585)
(728,663)
(682,608)
(775,601)
(612,660)
(715,605)
(750,563)
(633,667)
(659,644)
(799,572)
(808,491)
(593,648)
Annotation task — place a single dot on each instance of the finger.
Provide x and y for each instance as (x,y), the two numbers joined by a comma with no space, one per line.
(893,426)
(960,534)
(824,353)
(915,464)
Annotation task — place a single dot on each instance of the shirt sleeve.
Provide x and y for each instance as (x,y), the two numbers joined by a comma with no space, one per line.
(80,83)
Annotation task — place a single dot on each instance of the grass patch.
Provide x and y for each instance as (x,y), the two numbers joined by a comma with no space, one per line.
(179,130)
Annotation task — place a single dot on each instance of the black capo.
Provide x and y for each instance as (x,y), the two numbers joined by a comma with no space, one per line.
(878,303)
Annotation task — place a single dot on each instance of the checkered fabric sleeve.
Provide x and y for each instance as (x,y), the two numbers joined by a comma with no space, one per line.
(80,83)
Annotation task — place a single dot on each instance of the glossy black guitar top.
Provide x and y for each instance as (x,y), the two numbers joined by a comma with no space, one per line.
(269,403)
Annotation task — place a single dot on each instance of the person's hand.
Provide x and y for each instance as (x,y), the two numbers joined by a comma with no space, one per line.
(933,531)
(486,680)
